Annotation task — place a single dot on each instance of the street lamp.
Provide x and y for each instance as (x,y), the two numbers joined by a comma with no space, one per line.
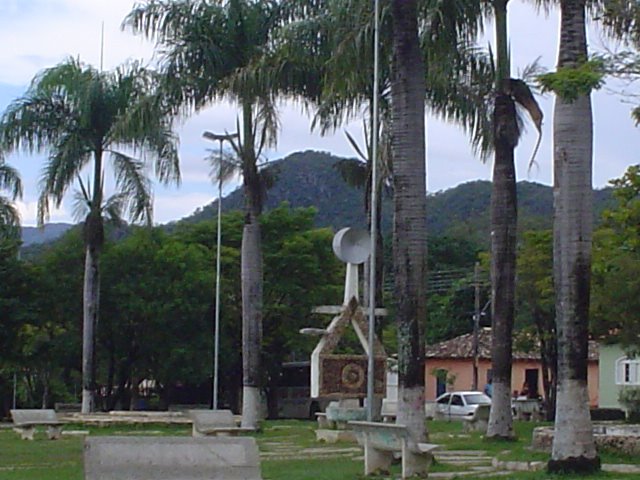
(221,138)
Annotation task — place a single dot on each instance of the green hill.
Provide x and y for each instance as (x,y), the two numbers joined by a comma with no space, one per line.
(305,179)
(310,179)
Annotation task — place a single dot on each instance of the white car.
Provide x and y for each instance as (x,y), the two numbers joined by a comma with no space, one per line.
(457,405)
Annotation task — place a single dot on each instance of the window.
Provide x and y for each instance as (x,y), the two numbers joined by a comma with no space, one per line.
(444,400)
(457,400)
(628,371)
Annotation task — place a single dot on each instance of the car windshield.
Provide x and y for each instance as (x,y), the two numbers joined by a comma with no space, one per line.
(477,399)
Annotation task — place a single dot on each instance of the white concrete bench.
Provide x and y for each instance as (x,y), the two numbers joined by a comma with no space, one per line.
(323,423)
(26,422)
(171,458)
(381,440)
(479,421)
(215,422)
(389,410)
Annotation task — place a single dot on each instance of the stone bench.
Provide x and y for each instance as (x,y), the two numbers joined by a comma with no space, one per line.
(338,414)
(389,410)
(479,421)
(382,440)
(215,422)
(26,422)
(171,458)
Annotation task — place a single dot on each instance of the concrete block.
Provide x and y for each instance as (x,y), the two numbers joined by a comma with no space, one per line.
(171,458)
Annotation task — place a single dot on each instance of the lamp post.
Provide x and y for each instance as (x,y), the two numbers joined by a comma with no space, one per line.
(374,188)
(221,138)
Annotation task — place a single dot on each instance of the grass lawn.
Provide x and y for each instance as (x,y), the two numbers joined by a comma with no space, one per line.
(288,448)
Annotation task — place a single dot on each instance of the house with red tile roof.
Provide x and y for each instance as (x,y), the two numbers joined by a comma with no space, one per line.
(449,366)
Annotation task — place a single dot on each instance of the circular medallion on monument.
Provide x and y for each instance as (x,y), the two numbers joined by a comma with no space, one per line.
(353,376)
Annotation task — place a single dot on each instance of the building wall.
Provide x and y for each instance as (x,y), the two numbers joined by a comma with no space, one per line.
(608,388)
(462,371)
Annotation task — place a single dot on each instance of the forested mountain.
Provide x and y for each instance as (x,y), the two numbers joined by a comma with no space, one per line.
(309,179)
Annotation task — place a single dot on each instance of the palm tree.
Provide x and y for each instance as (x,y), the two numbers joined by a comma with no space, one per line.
(334,41)
(80,115)
(9,216)
(573,443)
(208,51)
(410,212)
(504,208)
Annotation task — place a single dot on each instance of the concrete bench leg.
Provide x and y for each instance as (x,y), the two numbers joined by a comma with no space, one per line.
(375,459)
(53,432)
(415,463)
(26,433)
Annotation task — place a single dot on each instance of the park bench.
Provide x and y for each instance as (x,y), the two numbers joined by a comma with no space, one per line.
(478,421)
(389,410)
(26,422)
(171,458)
(215,422)
(527,409)
(381,441)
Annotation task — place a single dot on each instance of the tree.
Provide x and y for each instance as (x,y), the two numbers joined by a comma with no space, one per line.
(207,50)
(334,40)
(79,115)
(410,212)
(157,309)
(616,259)
(573,444)
(9,216)
(535,306)
(504,214)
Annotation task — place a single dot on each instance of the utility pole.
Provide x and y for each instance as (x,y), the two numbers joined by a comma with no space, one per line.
(476,324)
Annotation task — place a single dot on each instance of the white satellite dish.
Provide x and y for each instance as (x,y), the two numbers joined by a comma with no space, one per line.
(352,245)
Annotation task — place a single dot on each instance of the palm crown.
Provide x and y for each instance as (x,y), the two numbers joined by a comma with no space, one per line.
(76,114)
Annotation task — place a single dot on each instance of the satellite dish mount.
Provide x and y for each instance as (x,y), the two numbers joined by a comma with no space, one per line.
(352,246)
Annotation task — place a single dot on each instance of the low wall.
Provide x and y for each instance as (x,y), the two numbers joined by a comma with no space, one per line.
(617,437)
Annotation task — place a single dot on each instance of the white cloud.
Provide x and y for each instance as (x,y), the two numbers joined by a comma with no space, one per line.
(29,213)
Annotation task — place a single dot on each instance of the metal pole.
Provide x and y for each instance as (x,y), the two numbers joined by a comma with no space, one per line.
(217,322)
(216,334)
(15,386)
(374,189)
(476,325)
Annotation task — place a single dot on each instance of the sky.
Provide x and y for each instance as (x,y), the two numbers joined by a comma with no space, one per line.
(37,34)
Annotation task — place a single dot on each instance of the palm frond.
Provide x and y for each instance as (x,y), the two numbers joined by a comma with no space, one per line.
(64,164)
(522,94)
(10,180)
(356,147)
(134,186)
(9,219)
(113,209)
(352,171)
(225,168)
(81,204)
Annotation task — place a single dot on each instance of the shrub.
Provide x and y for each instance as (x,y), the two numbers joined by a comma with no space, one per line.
(629,397)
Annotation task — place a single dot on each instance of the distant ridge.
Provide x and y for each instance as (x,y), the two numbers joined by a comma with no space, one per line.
(50,232)
(309,178)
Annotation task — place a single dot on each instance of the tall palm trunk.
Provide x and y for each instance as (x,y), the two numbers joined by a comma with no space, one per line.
(503,236)
(91,300)
(410,229)
(573,443)
(251,279)
(93,240)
